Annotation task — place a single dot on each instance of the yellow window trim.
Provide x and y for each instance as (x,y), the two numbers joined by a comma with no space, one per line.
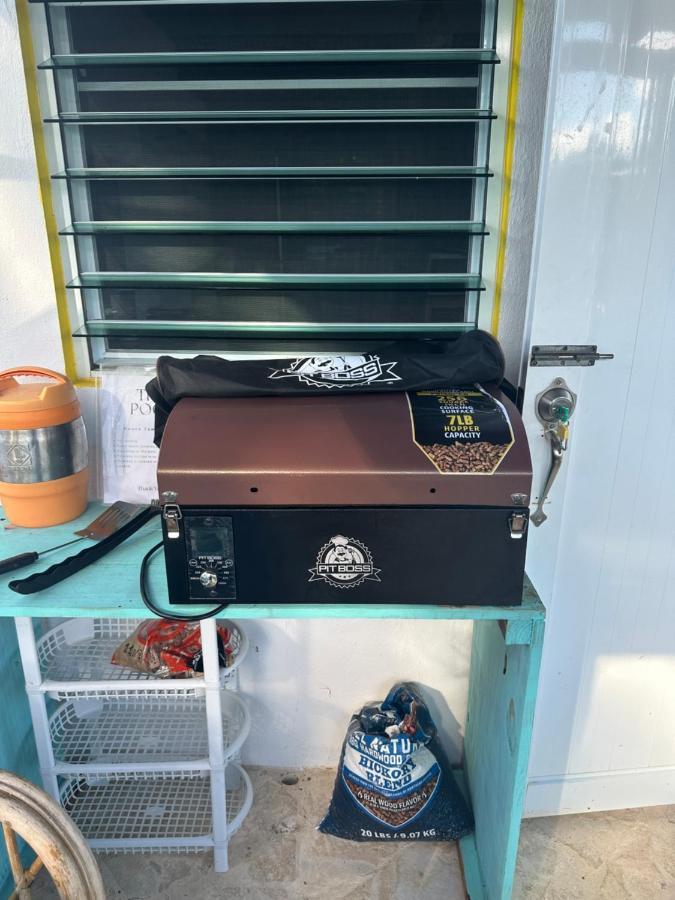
(46,196)
(509,146)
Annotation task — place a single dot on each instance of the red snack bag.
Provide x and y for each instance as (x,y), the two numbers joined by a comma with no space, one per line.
(170,649)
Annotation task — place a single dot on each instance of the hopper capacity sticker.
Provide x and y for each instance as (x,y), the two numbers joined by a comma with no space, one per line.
(462,432)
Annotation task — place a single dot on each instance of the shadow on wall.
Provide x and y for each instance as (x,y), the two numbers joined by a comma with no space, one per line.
(449,729)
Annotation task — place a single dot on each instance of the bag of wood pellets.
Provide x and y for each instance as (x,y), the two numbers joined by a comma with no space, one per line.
(394,781)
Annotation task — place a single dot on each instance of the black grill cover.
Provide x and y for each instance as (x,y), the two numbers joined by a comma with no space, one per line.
(398,366)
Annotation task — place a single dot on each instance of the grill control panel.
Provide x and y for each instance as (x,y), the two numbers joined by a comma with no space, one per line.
(201,557)
(209,542)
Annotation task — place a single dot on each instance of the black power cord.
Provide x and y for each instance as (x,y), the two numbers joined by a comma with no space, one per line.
(163,613)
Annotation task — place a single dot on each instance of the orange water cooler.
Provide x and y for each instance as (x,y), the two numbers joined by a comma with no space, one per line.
(44,472)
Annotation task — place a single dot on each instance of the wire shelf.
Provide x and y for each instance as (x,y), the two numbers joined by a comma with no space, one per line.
(127,730)
(162,811)
(79,651)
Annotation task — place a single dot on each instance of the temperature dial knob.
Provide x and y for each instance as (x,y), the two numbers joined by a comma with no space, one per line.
(208,579)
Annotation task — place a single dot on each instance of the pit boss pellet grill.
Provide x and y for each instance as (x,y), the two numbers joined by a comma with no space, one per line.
(418,497)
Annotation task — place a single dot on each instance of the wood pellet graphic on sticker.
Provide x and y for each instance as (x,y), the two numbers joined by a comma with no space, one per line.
(394,812)
(391,780)
(462,431)
(481,456)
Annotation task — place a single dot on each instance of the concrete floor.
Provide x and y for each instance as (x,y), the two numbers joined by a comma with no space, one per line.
(277,855)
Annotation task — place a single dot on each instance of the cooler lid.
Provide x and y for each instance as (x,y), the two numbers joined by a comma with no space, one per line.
(44,390)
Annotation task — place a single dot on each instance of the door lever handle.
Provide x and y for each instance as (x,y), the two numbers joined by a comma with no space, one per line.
(554,408)
(538,517)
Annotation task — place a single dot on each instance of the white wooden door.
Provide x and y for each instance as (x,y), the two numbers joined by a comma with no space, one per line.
(604,273)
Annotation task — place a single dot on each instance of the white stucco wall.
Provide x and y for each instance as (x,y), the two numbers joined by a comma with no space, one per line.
(29,330)
(303,679)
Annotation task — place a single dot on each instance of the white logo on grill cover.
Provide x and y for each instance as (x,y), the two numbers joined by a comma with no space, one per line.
(339,371)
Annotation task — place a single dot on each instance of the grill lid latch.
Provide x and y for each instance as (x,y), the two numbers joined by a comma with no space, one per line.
(517,525)
(172,515)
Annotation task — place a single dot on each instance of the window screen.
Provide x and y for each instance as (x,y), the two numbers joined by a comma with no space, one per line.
(263,174)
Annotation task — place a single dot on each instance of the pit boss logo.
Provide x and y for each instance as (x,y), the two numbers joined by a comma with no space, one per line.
(339,371)
(344,562)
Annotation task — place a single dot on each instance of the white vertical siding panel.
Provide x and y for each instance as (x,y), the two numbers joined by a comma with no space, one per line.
(605,274)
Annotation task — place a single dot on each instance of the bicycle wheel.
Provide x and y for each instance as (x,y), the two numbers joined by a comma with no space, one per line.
(32,814)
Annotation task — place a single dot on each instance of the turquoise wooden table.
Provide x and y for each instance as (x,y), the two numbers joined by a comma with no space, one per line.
(506,654)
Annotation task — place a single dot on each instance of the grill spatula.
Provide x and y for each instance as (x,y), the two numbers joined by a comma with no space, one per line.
(107,523)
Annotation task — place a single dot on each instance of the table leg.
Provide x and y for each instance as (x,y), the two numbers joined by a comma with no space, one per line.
(502,694)
(37,702)
(214,723)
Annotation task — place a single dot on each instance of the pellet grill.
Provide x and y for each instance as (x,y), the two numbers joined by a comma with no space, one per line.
(418,497)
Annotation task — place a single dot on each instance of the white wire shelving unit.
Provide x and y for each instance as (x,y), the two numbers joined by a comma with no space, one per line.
(137,811)
(116,732)
(80,650)
(142,764)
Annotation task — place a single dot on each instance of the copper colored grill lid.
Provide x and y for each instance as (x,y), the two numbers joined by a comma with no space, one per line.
(333,450)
